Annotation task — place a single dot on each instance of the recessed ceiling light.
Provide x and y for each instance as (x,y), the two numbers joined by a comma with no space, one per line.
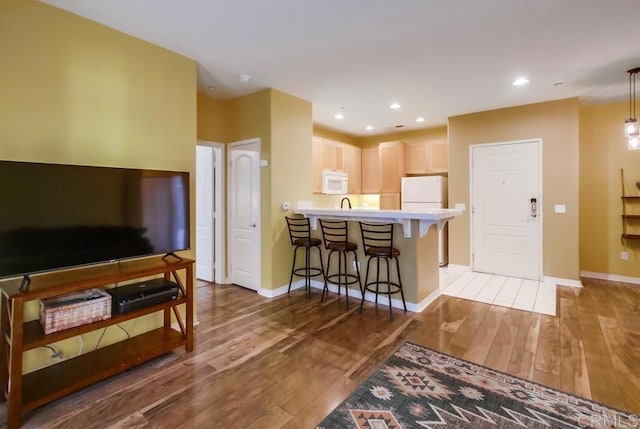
(339,115)
(395,106)
(369,127)
(419,119)
(520,81)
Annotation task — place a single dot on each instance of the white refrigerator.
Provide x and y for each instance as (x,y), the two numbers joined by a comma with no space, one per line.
(422,193)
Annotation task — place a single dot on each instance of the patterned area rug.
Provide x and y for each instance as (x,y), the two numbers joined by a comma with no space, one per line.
(421,388)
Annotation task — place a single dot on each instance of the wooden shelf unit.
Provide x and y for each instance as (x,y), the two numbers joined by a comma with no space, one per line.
(634,218)
(24,392)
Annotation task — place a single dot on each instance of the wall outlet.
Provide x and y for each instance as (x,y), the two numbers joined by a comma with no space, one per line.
(356,265)
(624,256)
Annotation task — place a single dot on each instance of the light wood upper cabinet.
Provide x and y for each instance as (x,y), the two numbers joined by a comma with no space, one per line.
(370,171)
(316,164)
(427,157)
(329,155)
(391,157)
(352,162)
(438,157)
(332,155)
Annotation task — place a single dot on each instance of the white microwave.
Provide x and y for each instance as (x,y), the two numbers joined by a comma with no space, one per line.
(334,182)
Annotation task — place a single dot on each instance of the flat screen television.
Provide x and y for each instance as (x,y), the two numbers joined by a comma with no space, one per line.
(55,216)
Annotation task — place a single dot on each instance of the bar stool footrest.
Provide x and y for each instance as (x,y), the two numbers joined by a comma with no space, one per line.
(342,279)
(302,272)
(395,288)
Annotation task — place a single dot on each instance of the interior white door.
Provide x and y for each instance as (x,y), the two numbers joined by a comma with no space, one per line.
(244,214)
(506,208)
(205,253)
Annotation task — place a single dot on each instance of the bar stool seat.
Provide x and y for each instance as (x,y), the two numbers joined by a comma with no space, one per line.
(377,240)
(336,239)
(300,235)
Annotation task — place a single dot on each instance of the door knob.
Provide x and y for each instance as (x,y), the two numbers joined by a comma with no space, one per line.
(253,225)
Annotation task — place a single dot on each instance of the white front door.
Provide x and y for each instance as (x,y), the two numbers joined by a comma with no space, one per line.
(506,208)
(244,213)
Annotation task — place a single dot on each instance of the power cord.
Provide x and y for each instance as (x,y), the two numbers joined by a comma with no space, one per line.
(125,331)
(105,330)
(100,339)
(55,353)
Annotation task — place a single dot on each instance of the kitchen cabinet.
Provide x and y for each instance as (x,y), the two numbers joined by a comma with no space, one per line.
(330,155)
(316,164)
(352,162)
(427,157)
(391,156)
(370,171)
(390,201)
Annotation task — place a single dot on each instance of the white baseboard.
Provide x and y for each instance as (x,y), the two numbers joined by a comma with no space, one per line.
(369,296)
(457,268)
(562,282)
(282,290)
(612,277)
(417,308)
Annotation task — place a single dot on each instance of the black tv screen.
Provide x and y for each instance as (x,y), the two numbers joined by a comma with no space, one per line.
(56,216)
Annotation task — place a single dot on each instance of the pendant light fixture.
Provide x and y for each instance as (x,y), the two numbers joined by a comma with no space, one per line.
(631,131)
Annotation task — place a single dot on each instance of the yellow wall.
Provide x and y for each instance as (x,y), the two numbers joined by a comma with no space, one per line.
(250,117)
(603,152)
(214,117)
(330,134)
(556,123)
(291,178)
(284,126)
(76,92)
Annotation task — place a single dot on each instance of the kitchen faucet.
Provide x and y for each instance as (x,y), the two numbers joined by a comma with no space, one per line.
(342,202)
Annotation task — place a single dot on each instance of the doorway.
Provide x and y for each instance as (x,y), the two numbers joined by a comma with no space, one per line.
(244,213)
(210,231)
(506,208)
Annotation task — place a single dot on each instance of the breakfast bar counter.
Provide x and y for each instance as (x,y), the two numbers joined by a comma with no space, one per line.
(417,242)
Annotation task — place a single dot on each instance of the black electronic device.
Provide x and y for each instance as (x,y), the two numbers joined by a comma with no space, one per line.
(142,294)
(58,216)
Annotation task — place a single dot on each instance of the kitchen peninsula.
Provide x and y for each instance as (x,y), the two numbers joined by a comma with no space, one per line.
(416,240)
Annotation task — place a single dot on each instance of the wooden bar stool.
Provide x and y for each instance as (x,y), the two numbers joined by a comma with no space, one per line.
(377,240)
(336,239)
(300,234)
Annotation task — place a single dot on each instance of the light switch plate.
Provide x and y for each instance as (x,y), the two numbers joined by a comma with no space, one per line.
(560,208)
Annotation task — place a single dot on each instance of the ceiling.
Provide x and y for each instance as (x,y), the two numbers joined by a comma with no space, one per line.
(437,58)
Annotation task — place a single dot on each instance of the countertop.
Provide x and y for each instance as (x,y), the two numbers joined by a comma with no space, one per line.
(424,218)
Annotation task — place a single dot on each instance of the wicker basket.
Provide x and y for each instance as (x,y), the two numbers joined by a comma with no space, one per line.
(75,309)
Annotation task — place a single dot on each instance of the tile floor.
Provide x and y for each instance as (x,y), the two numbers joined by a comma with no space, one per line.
(529,295)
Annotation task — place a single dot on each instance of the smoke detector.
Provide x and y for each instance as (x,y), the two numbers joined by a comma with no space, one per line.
(244,78)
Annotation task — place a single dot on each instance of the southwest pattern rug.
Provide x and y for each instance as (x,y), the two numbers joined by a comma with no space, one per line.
(421,388)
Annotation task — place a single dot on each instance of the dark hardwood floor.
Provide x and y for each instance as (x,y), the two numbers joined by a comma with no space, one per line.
(287,362)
